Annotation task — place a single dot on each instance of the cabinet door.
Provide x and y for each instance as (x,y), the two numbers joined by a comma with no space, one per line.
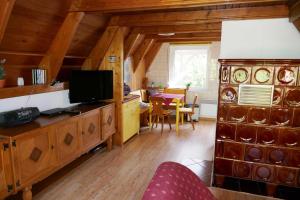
(34,155)
(131,119)
(67,139)
(6,177)
(108,122)
(91,135)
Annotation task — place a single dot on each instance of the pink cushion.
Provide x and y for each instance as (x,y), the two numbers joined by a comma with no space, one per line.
(173,181)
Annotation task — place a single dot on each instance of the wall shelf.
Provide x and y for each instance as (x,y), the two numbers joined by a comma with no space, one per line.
(10,92)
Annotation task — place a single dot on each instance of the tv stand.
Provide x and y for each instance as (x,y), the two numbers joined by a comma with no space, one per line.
(33,151)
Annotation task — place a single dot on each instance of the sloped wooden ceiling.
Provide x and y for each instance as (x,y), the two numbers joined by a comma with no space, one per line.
(34,24)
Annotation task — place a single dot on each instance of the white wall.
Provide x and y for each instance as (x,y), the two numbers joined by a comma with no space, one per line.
(260,39)
(43,101)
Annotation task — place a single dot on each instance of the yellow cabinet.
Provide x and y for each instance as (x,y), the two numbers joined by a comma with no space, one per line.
(131,118)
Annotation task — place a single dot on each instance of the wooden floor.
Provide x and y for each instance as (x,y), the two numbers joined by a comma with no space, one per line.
(123,174)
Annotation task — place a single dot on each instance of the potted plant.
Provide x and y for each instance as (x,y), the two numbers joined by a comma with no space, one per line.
(188,85)
(2,73)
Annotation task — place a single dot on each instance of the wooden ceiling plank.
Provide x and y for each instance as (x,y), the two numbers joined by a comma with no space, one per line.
(186,35)
(54,57)
(6,7)
(140,53)
(150,56)
(205,27)
(190,40)
(130,42)
(96,56)
(201,16)
(134,5)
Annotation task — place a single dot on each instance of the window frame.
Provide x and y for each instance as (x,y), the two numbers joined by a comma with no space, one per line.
(171,54)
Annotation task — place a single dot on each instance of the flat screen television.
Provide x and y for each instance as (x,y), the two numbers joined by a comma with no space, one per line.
(90,86)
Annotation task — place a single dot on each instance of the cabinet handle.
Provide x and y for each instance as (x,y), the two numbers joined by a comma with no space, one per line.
(83,133)
(52,147)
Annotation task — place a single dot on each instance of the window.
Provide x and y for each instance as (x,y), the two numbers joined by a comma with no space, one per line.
(188,64)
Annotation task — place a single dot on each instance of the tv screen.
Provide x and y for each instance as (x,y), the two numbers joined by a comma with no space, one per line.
(90,86)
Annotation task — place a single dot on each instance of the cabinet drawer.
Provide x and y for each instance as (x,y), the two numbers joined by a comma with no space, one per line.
(108,122)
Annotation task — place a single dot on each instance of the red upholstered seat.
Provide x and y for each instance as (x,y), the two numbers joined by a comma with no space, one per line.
(173,181)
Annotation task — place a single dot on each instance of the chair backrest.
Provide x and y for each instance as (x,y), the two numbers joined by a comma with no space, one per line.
(176,91)
(194,103)
(157,105)
(144,96)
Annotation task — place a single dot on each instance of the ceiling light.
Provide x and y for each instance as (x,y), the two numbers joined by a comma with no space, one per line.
(166,34)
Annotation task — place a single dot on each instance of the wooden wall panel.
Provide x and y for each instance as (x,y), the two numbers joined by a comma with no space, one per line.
(201,16)
(116,49)
(6,7)
(150,56)
(54,57)
(130,43)
(132,5)
(90,29)
(140,53)
(295,13)
(98,53)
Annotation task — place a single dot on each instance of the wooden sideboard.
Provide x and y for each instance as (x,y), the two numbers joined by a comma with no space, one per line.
(31,152)
(255,143)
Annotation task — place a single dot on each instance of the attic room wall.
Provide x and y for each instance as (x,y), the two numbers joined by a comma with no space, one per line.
(31,28)
(265,39)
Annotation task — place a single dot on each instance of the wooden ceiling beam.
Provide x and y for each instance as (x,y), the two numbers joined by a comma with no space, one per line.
(205,27)
(190,40)
(97,54)
(201,16)
(6,7)
(295,13)
(134,5)
(186,35)
(140,53)
(130,43)
(54,57)
(150,56)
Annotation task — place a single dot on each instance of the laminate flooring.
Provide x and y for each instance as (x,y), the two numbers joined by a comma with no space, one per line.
(124,173)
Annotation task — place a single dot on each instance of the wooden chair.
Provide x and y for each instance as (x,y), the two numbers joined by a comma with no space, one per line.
(176,91)
(188,111)
(144,96)
(158,112)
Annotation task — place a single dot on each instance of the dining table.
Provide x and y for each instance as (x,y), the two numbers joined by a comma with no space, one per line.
(178,99)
